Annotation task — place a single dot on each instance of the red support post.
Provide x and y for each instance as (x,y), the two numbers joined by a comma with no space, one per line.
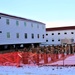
(45,58)
(25,57)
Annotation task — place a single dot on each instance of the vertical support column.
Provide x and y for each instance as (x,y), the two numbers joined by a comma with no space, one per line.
(45,58)
(57,56)
(37,60)
(19,58)
(69,49)
(25,57)
(73,49)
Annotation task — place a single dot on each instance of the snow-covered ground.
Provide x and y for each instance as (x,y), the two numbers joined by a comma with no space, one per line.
(40,70)
(68,61)
(35,70)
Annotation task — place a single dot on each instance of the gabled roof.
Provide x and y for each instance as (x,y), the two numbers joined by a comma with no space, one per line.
(61,28)
(3,14)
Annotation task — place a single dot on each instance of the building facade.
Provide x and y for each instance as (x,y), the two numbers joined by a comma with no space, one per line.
(60,35)
(17,31)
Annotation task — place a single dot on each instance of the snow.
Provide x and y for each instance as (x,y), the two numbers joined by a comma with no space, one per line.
(35,70)
(68,61)
(41,70)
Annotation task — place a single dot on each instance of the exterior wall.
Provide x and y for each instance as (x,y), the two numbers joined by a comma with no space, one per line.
(12,28)
(57,37)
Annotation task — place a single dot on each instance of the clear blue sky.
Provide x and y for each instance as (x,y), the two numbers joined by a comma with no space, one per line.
(47,11)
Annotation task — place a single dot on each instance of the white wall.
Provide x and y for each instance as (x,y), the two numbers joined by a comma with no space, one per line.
(21,29)
(49,37)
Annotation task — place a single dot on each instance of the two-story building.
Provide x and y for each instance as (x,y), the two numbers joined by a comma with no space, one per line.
(60,35)
(20,32)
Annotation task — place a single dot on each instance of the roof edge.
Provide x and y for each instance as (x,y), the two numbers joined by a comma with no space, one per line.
(21,18)
(61,28)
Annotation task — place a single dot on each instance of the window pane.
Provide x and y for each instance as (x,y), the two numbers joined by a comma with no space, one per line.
(7,21)
(72,32)
(0,31)
(43,26)
(58,33)
(37,35)
(26,35)
(8,35)
(25,23)
(58,39)
(65,33)
(17,35)
(32,36)
(46,34)
(37,26)
(31,25)
(17,23)
(46,40)
(52,33)
(43,36)
(52,40)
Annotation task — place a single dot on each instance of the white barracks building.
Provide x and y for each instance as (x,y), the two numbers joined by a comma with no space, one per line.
(60,35)
(17,31)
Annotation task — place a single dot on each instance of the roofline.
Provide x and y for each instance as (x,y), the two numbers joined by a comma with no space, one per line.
(61,28)
(20,18)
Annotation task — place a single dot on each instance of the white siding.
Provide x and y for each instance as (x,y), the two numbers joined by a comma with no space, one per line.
(21,29)
(49,37)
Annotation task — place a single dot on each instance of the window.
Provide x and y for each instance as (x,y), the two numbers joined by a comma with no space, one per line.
(24,23)
(31,25)
(7,21)
(37,35)
(72,32)
(25,35)
(46,34)
(8,35)
(0,31)
(32,36)
(46,40)
(37,26)
(52,33)
(58,39)
(43,36)
(17,35)
(17,23)
(72,40)
(52,40)
(65,33)
(43,26)
(58,33)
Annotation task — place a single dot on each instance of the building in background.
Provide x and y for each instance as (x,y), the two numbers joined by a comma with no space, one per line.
(20,32)
(60,35)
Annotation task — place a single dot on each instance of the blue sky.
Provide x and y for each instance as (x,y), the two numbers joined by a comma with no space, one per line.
(54,13)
